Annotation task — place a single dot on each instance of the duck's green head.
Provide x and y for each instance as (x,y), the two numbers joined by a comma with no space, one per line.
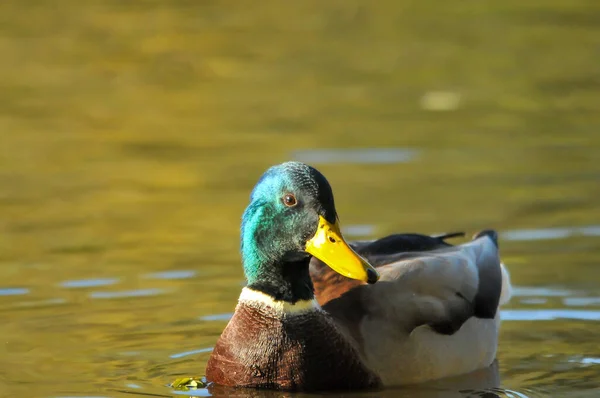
(291,217)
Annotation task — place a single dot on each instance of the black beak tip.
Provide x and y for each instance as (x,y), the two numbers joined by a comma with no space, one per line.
(372,276)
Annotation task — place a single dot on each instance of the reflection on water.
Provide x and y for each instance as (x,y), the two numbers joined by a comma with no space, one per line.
(356,156)
(588,361)
(192,352)
(39,303)
(127,293)
(551,233)
(15,291)
(217,317)
(582,301)
(352,231)
(202,392)
(82,283)
(173,275)
(549,315)
(548,291)
(132,133)
(86,396)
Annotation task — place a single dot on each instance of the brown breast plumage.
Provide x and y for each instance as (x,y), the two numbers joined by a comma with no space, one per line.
(263,348)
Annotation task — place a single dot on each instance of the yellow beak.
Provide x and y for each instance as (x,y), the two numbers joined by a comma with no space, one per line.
(329,246)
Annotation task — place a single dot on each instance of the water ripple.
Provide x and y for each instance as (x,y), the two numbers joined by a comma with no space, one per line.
(192,352)
(217,317)
(81,283)
(526,291)
(590,361)
(127,293)
(183,274)
(41,303)
(13,291)
(358,230)
(200,392)
(549,315)
(581,301)
(550,233)
(586,360)
(357,156)
(533,301)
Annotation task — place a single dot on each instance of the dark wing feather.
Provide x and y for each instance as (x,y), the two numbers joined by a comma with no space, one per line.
(402,243)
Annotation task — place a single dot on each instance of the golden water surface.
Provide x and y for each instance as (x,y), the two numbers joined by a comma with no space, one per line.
(131,133)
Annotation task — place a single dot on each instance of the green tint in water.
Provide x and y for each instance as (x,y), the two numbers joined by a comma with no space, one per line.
(131,134)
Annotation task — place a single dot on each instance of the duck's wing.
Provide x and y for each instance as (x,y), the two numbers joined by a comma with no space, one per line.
(432,314)
(441,288)
(328,284)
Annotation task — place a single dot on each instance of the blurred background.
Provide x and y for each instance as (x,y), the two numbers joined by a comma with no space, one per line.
(131,134)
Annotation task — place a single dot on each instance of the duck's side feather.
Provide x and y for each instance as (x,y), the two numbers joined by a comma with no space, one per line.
(432,315)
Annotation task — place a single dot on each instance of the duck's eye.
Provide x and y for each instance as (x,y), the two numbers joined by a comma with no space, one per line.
(289,200)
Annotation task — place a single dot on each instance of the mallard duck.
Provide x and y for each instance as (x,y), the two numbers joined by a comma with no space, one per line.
(428,310)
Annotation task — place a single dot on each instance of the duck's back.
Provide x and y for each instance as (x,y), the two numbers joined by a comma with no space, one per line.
(262,347)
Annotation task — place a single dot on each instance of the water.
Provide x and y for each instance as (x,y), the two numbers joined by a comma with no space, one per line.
(132,133)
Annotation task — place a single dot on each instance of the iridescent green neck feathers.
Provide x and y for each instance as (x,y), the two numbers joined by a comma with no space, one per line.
(283,213)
